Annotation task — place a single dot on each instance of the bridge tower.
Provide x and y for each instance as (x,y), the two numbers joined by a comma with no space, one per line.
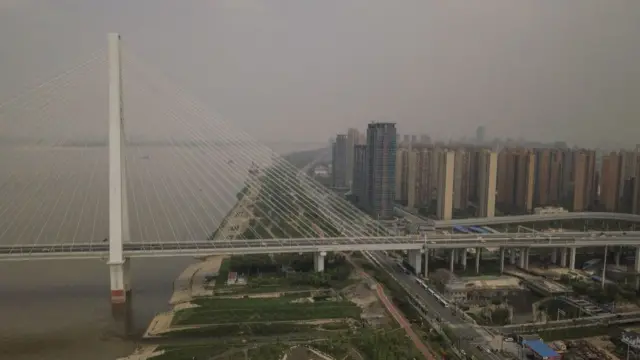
(118,212)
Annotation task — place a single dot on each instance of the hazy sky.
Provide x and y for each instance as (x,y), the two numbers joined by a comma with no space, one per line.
(305,69)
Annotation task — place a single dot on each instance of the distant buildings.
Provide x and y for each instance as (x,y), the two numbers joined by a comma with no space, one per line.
(452,180)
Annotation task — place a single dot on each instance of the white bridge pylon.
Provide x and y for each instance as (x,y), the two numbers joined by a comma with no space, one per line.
(118,213)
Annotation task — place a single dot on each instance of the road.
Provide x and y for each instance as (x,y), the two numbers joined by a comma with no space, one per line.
(471,335)
(373,243)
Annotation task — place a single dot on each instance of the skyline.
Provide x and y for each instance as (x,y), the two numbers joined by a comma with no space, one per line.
(536,70)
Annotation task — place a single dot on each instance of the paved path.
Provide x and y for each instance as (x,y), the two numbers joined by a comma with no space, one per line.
(400,319)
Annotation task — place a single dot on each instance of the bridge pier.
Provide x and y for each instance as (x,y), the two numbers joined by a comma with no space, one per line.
(478,256)
(120,281)
(554,256)
(502,250)
(618,255)
(512,256)
(318,261)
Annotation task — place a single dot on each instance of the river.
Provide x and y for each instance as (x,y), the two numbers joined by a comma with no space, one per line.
(52,310)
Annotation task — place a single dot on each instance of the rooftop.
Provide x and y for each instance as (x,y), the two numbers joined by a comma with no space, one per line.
(542,349)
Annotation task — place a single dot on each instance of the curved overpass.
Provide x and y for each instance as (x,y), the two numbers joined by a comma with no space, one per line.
(497,220)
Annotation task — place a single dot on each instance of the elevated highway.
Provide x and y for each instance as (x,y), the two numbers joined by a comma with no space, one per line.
(265,246)
(519,219)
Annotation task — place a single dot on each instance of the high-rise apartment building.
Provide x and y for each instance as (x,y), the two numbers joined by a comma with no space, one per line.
(425,139)
(381,168)
(402,165)
(339,162)
(446,165)
(412,178)
(610,181)
(635,190)
(628,168)
(547,178)
(359,188)
(461,179)
(352,139)
(487,182)
(406,139)
(516,168)
(583,180)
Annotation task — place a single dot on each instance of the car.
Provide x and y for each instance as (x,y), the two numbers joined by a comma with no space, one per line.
(508,339)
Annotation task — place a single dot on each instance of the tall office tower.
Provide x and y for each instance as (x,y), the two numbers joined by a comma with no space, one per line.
(583,180)
(610,180)
(480,135)
(352,140)
(359,188)
(445,185)
(461,179)
(487,182)
(406,139)
(362,139)
(424,139)
(339,162)
(414,139)
(516,168)
(401,175)
(381,168)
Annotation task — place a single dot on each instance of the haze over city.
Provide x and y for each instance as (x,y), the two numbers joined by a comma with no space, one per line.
(328,179)
(282,70)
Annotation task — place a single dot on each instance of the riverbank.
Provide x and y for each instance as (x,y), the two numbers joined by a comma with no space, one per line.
(189,285)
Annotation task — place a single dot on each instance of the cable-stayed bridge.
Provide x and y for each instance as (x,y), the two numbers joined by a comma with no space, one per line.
(100,165)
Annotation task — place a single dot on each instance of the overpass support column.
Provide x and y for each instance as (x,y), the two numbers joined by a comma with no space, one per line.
(425,271)
(318,261)
(572,258)
(523,257)
(415,260)
(502,260)
(618,255)
(554,256)
(452,259)
(512,256)
(526,258)
(478,256)
(563,257)
(463,258)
